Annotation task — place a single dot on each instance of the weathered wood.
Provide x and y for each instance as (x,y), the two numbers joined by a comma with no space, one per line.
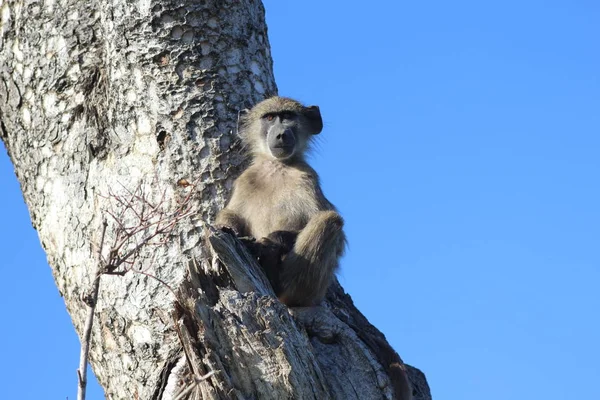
(98,98)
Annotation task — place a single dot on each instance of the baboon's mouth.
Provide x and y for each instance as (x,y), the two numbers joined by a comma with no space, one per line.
(282,151)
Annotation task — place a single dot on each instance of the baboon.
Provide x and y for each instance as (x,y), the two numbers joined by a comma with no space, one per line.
(278,200)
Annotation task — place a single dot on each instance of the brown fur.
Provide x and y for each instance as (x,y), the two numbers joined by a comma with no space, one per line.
(278,199)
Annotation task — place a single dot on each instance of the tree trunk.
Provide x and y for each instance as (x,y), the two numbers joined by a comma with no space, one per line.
(113,110)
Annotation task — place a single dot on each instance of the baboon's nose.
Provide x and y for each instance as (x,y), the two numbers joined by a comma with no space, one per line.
(286,137)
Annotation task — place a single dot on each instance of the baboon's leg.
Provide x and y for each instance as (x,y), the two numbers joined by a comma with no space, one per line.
(307,270)
(228,221)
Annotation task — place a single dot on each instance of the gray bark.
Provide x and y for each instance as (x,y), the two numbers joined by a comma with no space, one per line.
(101,97)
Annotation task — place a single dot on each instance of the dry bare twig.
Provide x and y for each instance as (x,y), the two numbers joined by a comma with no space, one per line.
(151,225)
(90,300)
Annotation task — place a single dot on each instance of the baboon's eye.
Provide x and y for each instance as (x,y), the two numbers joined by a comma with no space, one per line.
(269,117)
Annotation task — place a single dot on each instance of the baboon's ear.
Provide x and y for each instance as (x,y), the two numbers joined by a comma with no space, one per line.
(241,120)
(243,114)
(315,122)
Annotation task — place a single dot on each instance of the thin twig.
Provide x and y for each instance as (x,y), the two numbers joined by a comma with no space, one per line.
(165,284)
(153,224)
(91,301)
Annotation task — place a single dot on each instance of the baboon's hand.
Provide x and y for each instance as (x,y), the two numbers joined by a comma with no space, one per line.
(269,257)
(271,249)
(251,245)
(250,242)
(285,240)
(229,230)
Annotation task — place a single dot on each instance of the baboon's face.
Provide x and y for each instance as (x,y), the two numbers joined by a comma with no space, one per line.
(282,133)
(280,127)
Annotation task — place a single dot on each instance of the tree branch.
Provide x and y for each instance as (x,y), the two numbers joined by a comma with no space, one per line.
(91,300)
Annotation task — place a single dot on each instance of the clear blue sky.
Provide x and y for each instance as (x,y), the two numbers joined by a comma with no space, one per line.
(462,145)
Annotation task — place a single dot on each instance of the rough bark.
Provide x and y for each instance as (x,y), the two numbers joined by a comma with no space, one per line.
(103,97)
